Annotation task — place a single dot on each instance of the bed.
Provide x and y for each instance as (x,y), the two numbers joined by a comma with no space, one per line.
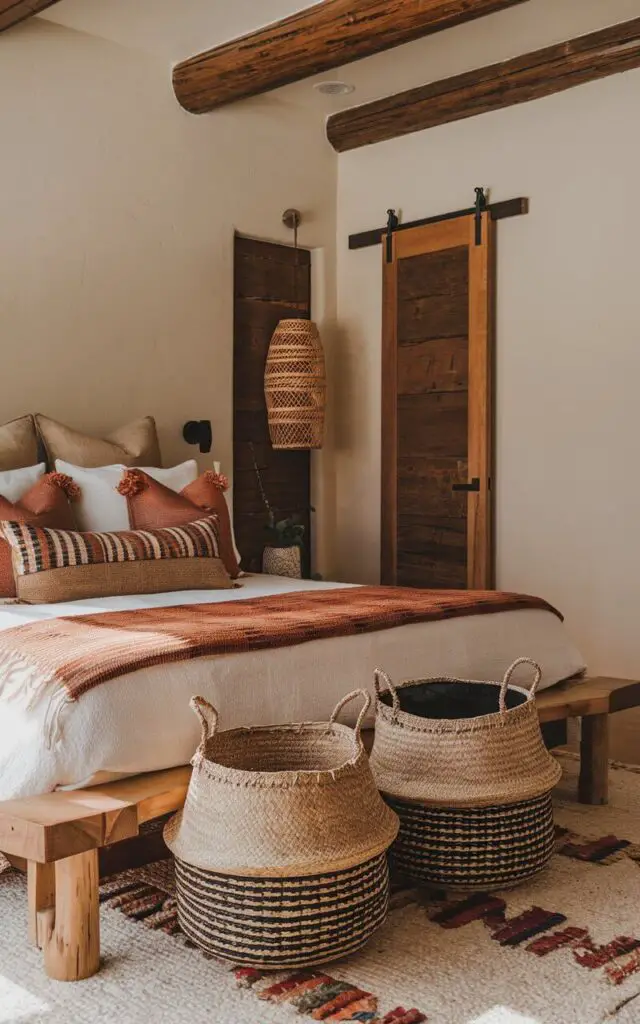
(141,722)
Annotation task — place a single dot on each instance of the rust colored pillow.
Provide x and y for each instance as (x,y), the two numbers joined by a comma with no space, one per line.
(47,503)
(152,506)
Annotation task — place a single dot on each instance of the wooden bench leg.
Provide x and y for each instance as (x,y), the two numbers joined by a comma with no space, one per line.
(41,888)
(69,933)
(594,760)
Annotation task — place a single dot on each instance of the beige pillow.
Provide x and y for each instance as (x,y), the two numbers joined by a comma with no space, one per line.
(18,443)
(133,445)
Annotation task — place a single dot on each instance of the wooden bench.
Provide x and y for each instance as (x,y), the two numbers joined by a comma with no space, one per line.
(58,837)
(592,700)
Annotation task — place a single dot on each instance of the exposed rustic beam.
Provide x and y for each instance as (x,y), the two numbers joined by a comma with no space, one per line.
(314,40)
(542,73)
(13,11)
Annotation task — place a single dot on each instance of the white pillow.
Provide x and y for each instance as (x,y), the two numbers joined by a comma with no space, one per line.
(100,506)
(16,482)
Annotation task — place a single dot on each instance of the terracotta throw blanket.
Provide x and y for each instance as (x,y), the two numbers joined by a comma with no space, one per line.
(80,652)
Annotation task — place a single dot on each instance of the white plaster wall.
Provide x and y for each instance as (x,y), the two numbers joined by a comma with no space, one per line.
(568,345)
(117,213)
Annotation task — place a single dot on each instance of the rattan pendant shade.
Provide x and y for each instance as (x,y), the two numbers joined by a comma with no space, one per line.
(295,386)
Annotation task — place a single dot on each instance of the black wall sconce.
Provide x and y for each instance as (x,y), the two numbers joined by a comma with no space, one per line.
(198,432)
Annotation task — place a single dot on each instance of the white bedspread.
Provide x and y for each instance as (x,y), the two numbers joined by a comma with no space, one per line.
(142,721)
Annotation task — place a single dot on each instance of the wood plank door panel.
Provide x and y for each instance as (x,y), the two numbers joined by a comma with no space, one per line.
(436,406)
(272,282)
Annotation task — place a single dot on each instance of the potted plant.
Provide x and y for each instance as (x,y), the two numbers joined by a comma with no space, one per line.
(282,554)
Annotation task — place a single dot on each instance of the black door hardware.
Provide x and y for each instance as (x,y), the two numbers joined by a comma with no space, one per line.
(392,224)
(481,207)
(474,485)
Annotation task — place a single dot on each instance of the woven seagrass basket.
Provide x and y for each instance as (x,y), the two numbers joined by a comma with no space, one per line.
(464,765)
(282,562)
(281,846)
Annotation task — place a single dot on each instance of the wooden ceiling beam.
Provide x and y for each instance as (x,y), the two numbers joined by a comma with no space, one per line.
(607,52)
(312,41)
(13,11)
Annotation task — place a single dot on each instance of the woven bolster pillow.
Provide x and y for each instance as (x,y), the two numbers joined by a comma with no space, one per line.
(60,565)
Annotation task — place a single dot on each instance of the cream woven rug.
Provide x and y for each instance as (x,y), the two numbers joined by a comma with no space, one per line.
(562,950)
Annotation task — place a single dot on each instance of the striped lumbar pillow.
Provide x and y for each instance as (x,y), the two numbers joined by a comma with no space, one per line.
(60,565)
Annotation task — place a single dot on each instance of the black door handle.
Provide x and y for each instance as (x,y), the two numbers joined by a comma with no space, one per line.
(474,485)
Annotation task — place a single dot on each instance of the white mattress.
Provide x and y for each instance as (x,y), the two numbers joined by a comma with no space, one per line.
(142,721)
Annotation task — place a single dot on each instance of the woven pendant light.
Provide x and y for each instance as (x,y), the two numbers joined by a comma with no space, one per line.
(295,383)
(295,386)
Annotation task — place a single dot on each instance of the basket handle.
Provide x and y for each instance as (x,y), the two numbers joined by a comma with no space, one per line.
(345,700)
(507,679)
(208,717)
(381,677)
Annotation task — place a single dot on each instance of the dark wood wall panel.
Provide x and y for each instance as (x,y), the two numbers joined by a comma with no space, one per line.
(272,282)
(439,364)
(432,418)
(434,424)
(430,288)
(431,549)
(436,440)
(427,481)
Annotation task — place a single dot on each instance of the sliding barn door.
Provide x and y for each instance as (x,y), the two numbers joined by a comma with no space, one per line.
(272,282)
(437,357)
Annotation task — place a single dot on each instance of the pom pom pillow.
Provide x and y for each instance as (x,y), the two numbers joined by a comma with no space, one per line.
(101,507)
(47,503)
(152,505)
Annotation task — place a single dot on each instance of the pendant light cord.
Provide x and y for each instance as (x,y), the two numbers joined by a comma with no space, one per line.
(295,267)
(292,218)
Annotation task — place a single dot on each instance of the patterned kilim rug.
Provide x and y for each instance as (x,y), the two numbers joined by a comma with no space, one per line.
(564,949)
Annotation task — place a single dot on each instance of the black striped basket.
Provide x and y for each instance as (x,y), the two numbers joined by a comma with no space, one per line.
(473,848)
(282,922)
(280,849)
(464,766)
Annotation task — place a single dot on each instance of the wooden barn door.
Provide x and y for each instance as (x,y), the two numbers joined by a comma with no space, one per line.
(437,355)
(272,282)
